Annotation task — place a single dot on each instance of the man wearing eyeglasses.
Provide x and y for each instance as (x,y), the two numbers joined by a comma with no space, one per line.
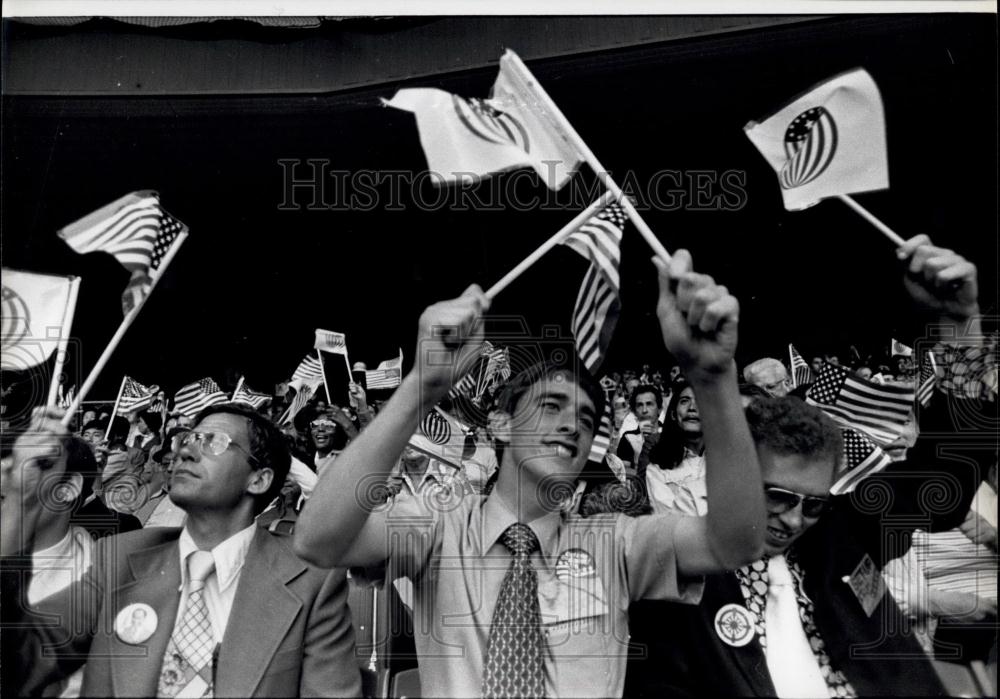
(813,617)
(227,608)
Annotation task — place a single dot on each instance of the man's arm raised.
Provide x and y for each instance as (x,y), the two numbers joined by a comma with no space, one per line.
(338,526)
(699,321)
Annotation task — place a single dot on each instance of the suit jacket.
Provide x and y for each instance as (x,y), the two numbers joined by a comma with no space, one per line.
(289,632)
(878,655)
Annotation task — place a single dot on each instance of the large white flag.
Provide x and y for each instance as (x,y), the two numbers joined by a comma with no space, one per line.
(35,307)
(829,141)
(466,139)
(330,341)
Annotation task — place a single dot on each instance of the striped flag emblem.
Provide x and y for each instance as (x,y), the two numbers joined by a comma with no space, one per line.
(246,395)
(602,437)
(810,144)
(927,380)
(197,396)
(436,428)
(595,313)
(489,123)
(880,411)
(329,341)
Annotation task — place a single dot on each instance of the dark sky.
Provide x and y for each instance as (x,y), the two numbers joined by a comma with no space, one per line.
(253,280)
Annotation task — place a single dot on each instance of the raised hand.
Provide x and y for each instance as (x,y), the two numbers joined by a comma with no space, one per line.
(448,340)
(939,280)
(698,317)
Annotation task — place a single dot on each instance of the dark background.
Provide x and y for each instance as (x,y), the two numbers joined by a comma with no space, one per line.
(253,281)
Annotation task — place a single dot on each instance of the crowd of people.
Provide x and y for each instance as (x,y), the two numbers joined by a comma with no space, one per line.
(208,555)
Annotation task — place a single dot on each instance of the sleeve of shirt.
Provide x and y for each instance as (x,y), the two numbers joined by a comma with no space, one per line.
(651,561)
(413,528)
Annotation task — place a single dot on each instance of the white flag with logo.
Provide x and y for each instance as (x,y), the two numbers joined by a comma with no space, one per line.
(440,436)
(329,341)
(829,141)
(35,307)
(466,139)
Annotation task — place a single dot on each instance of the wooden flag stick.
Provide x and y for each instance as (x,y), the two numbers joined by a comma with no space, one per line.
(64,332)
(239,385)
(322,369)
(549,106)
(114,411)
(868,216)
(561,235)
(122,329)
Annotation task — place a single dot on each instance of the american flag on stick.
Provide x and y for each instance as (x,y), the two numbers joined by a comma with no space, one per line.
(309,370)
(863,458)
(303,392)
(880,411)
(602,436)
(597,304)
(927,380)
(137,231)
(387,374)
(801,373)
(246,395)
(135,396)
(197,396)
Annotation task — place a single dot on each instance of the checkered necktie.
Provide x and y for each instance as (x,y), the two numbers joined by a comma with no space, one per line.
(187,664)
(515,661)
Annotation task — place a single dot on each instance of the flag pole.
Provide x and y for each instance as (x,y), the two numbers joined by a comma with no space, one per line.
(532,84)
(868,216)
(563,232)
(322,369)
(114,411)
(122,329)
(347,363)
(239,385)
(64,332)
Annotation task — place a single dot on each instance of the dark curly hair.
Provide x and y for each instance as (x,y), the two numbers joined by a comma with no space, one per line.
(515,389)
(789,426)
(267,446)
(668,452)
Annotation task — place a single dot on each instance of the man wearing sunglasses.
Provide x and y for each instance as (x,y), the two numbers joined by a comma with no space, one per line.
(227,609)
(813,617)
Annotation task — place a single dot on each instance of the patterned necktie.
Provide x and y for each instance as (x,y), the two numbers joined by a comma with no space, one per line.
(515,662)
(187,664)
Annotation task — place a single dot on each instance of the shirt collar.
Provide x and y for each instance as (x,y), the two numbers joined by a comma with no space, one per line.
(228,555)
(60,549)
(497,517)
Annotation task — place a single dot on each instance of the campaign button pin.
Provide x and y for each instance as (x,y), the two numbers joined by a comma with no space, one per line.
(734,624)
(135,623)
(575,563)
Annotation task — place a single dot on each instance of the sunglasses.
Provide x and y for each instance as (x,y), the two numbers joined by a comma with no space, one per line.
(780,501)
(209,443)
(322,424)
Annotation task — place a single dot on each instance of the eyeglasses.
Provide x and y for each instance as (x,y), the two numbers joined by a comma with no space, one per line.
(322,424)
(209,443)
(780,501)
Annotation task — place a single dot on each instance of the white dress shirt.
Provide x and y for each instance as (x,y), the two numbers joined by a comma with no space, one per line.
(220,587)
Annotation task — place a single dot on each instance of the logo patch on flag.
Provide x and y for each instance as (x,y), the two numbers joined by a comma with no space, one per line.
(16,318)
(810,144)
(436,428)
(489,123)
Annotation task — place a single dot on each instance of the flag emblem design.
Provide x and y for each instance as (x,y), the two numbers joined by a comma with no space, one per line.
(135,396)
(810,144)
(490,124)
(436,428)
(863,458)
(16,318)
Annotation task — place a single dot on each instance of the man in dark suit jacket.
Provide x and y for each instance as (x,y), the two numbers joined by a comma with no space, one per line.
(853,637)
(279,627)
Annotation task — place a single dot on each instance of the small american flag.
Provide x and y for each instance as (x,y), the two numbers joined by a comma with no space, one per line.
(927,381)
(801,373)
(197,396)
(597,305)
(880,411)
(308,370)
(246,395)
(135,396)
(602,436)
(329,341)
(136,230)
(303,392)
(863,458)
(387,374)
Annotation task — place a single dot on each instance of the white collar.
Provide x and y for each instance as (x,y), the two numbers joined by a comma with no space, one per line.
(59,550)
(228,555)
